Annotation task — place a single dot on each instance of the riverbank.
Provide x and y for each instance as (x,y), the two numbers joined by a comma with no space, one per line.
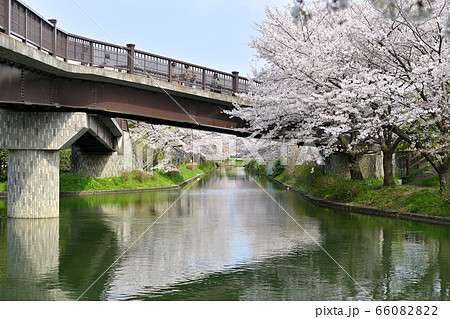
(135,181)
(364,197)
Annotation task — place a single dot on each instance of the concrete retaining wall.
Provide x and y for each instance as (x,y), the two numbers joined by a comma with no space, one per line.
(371,166)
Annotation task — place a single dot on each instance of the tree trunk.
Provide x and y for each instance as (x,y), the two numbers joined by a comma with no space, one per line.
(355,169)
(388,168)
(443,170)
(444,181)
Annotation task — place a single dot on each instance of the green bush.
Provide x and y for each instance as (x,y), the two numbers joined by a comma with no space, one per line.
(275,168)
(125,175)
(342,190)
(142,176)
(311,179)
(306,174)
(172,173)
(253,164)
(191,166)
(64,160)
(153,176)
(368,192)
(262,168)
(3,165)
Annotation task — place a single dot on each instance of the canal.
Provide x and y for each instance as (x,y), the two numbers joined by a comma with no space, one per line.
(222,238)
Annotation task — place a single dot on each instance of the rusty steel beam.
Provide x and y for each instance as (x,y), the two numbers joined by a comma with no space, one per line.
(25,87)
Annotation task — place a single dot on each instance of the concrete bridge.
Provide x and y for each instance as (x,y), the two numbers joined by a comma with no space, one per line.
(58,89)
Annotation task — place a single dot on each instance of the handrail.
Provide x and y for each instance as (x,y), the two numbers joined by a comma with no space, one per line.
(413,163)
(20,21)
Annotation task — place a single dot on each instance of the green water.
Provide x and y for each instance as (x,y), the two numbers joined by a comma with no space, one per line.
(224,238)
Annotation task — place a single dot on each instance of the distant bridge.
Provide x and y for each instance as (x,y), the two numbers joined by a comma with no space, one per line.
(58,89)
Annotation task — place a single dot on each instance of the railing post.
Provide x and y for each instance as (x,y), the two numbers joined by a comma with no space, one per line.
(54,36)
(130,63)
(235,81)
(66,57)
(91,55)
(40,33)
(204,79)
(169,70)
(8,17)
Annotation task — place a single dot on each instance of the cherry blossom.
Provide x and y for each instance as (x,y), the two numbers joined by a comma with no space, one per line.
(354,81)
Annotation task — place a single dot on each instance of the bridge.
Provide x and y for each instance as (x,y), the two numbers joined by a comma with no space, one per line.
(50,80)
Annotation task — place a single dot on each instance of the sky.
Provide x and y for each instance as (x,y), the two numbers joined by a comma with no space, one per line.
(210,33)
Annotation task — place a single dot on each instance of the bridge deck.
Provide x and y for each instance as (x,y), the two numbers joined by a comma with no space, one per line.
(20,21)
(31,77)
(55,70)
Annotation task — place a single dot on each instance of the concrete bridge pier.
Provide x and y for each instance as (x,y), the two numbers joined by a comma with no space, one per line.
(33,141)
(33,183)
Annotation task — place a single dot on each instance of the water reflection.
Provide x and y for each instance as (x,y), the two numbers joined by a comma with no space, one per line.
(225,239)
(32,260)
(206,232)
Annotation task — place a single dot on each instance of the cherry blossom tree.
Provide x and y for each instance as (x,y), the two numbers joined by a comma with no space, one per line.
(304,70)
(407,62)
(365,77)
(410,56)
(161,140)
(171,146)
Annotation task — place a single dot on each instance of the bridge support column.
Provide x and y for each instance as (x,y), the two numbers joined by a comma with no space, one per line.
(33,184)
(33,141)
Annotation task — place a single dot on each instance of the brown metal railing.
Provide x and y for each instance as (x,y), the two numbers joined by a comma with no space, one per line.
(20,21)
(413,164)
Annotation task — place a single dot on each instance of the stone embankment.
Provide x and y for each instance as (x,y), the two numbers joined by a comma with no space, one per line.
(3,195)
(429,219)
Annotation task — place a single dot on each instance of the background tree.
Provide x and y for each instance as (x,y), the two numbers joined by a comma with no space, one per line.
(407,60)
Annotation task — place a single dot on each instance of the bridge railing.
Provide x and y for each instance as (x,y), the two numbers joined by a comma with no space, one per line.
(20,21)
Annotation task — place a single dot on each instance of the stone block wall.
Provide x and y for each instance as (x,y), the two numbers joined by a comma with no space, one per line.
(370,165)
(337,165)
(101,165)
(33,184)
(40,130)
(127,152)
(95,165)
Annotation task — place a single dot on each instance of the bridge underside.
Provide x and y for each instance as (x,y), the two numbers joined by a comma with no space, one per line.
(30,89)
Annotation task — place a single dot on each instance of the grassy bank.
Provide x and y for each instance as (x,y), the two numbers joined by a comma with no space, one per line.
(368,192)
(127,180)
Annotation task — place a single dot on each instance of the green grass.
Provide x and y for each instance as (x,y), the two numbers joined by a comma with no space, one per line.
(133,180)
(428,182)
(369,192)
(237,162)
(411,177)
(73,182)
(398,198)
